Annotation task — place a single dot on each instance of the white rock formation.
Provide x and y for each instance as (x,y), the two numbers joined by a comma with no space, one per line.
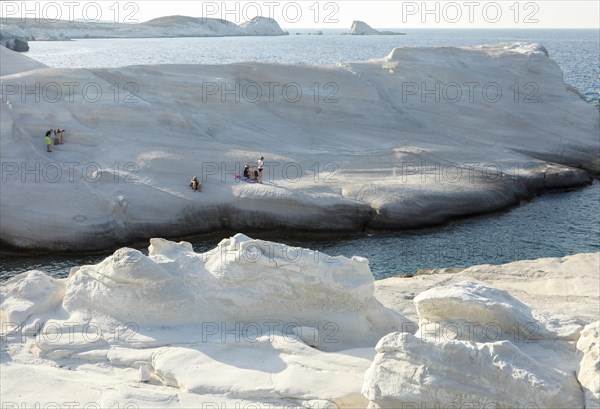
(28,294)
(588,372)
(254,315)
(479,345)
(180,329)
(373,148)
(474,312)
(410,370)
(475,345)
(362,28)
(565,287)
(241,282)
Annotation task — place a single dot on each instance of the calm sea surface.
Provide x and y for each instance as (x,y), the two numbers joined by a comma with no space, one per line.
(555,224)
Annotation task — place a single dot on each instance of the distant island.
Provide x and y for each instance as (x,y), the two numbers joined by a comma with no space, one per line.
(557,138)
(360,28)
(15,33)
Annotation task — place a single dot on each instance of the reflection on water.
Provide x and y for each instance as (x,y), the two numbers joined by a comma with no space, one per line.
(553,225)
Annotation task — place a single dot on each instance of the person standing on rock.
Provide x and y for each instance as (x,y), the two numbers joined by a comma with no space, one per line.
(57,136)
(49,141)
(260,164)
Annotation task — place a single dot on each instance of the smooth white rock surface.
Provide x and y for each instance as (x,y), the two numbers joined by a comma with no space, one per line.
(512,334)
(475,344)
(368,150)
(472,307)
(412,370)
(588,372)
(160,331)
(14,63)
(249,320)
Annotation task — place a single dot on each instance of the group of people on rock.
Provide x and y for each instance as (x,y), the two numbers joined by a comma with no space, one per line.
(195,184)
(249,175)
(256,175)
(55,136)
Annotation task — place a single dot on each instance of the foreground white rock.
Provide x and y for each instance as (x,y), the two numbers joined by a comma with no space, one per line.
(477,345)
(369,147)
(248,320)
(262,286)
(409,371)
(177,329)
(468,304)
(588,372)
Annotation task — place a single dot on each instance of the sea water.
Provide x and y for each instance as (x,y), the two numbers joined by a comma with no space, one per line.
(552,225)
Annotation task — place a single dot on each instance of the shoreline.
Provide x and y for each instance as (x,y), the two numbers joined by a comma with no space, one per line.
(453,245)
(6,249)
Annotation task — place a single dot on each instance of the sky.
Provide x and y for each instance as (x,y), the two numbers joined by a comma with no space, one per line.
(326,14)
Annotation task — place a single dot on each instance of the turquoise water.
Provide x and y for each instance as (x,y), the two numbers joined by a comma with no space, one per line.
(552,225)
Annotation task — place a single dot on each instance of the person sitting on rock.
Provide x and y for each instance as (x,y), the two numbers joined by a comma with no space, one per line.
(196,185)
(248,174)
